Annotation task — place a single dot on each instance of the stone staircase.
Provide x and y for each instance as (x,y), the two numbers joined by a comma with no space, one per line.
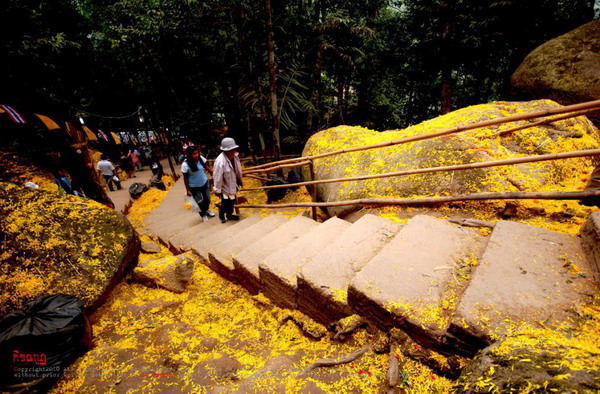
(449,287)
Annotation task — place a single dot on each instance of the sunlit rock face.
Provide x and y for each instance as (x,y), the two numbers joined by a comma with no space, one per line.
(479,145)
(565,69)
(54,243)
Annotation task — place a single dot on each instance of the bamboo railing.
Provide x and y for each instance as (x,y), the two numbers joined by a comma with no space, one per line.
(565,112)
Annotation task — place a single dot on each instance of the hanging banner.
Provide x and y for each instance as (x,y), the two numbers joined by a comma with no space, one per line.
(90,134)
(50,124)
(124,137)
(14,115)
(151,136)
(102,135)
(74,133)
(142,137)
(116,138)
(164,138)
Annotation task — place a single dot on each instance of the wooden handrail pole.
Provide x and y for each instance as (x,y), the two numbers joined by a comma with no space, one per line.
(313,191)
(458,167)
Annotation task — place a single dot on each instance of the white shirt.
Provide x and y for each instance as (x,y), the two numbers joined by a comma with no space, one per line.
(106,167)
(226,174)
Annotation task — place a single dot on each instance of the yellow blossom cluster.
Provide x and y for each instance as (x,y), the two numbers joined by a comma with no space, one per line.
(55,242)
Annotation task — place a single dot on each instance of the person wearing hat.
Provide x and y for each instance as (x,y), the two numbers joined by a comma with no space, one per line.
(227,177)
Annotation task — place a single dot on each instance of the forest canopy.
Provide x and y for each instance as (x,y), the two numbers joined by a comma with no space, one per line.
(270,70)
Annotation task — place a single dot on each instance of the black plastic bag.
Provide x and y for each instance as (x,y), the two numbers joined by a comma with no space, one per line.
(157,183)
(137,189)
(275,194)
(294,176)
(40,341)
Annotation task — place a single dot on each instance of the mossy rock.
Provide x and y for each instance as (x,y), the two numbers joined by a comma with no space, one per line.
(55,243)
(562,358)
(564,69)
(484,144)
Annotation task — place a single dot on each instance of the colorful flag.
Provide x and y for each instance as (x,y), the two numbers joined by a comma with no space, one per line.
(124,137)
(90,134)
(116,138)
(14,115)
(104,136)
(50,124)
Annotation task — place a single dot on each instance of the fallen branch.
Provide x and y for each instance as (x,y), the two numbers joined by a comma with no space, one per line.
(472,223)
(348,325)
(328,362)
(393,372)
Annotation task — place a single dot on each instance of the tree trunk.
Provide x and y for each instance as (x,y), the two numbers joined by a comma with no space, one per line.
(272,81)
(315,87)
(446,66)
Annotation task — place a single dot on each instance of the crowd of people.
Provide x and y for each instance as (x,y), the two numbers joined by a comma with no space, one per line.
(226,174)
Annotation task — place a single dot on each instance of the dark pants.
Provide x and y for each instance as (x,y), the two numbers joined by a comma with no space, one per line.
(109,182)
(202,197)
(226,208)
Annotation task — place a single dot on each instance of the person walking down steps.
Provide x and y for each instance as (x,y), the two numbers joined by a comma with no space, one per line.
(227,178)
(195,180)
(107,169)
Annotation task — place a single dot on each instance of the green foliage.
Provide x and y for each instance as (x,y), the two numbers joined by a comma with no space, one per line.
(374,63)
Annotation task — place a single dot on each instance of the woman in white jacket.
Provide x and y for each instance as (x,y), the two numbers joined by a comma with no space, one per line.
(227,177)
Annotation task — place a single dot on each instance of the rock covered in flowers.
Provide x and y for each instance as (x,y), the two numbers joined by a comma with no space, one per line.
(56,243)
(540,359)
(484,144)
(172,273)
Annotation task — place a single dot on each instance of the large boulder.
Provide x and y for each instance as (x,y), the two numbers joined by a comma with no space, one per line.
(484,144)
(56,243)
(564,69)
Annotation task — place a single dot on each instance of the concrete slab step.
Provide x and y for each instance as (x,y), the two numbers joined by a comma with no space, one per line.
(526,275)
(223,232)
(183,240)
(246,262)
(221,254)
(323,281)
(278,271)
(416,280)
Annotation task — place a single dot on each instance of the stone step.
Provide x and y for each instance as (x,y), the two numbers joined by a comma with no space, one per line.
(222,233)
(171,226)
(416,280)
(221,254)
(526,275)
(169,211)
(246,262)
(183,240)
(323,281)
(278,271)
(590,242)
